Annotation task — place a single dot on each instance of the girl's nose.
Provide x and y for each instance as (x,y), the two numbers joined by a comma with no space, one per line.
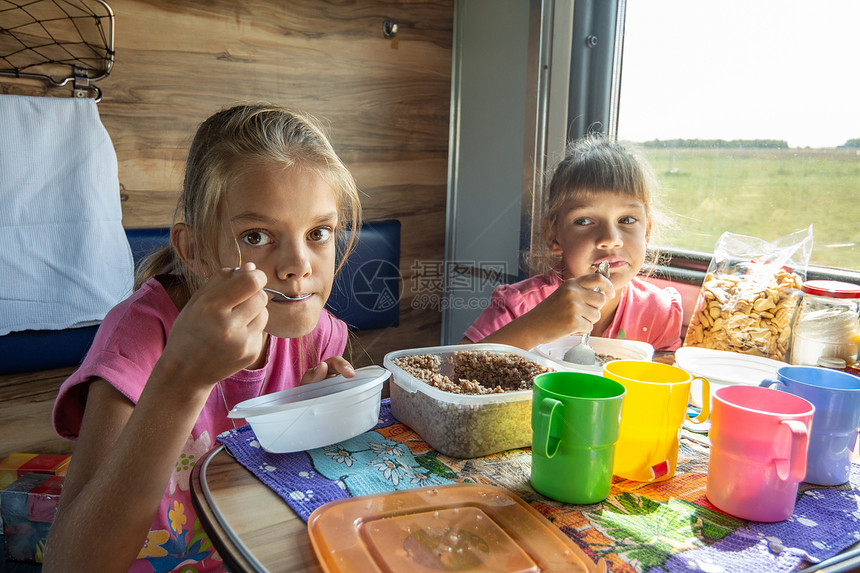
(293,262)
(610,238)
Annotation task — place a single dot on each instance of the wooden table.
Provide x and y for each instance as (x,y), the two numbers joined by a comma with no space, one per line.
(251,527)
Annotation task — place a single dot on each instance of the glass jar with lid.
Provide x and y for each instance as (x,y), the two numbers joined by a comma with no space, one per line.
(827,324)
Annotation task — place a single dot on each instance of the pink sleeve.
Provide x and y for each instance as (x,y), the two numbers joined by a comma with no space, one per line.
(495,316)
(127,345)
(510,301)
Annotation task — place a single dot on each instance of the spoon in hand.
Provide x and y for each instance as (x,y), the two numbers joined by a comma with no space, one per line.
(582,353)
(281,297)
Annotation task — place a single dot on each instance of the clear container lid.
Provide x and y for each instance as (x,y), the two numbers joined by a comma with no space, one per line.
(832,289)
(458,527)
(832,362)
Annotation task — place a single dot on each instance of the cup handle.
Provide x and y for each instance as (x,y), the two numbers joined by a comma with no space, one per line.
(794,468)
(706,401)
(545,439)
(771,382)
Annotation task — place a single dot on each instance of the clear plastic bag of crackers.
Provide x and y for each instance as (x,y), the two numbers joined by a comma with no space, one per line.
(750,295)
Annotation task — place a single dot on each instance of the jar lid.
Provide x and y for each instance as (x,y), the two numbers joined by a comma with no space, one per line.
(832,362)
(833,289)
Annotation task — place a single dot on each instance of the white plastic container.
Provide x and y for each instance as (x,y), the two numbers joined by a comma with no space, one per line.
(315,415)
(615,347)
(463,425)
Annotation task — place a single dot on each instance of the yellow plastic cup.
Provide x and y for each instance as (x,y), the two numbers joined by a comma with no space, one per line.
(654,409)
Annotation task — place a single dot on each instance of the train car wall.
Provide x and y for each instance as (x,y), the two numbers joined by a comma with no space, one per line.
(386,101)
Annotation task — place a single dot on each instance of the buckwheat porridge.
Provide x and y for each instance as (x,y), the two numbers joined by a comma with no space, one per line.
(484,405)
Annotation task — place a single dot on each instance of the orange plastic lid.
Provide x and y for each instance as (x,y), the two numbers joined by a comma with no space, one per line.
(459,527)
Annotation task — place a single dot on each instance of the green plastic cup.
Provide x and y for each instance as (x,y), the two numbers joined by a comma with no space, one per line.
(575,420)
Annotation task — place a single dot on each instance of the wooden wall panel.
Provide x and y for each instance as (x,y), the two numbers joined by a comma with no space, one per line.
(386,103)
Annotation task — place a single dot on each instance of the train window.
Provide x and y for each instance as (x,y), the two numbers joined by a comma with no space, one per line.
(747,111)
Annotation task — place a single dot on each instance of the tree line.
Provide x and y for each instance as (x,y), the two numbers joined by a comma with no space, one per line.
(720,143)
(731,143)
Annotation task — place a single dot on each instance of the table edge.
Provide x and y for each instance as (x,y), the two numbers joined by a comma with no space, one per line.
(233,552)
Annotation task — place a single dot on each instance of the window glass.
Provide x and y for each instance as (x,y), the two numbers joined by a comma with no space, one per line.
(748,111)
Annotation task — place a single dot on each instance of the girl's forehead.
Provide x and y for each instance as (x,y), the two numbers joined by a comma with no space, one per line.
(267,186)
(602,199)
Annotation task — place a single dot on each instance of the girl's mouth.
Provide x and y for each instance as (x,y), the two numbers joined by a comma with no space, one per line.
(613,263)
(281,297)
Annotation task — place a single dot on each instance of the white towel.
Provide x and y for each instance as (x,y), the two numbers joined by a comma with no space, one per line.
(64,256)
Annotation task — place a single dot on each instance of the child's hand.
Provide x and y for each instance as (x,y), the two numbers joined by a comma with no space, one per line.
(220,329)
(328,368)
(574,308)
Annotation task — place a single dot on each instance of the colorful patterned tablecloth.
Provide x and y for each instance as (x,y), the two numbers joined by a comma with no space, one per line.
(663,527)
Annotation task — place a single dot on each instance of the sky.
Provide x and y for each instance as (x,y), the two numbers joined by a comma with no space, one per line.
(741,69)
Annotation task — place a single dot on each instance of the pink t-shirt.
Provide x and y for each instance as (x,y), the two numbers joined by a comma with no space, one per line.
(126,347)
(645,312)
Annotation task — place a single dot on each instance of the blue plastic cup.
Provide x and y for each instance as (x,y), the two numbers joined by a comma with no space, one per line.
(836,397)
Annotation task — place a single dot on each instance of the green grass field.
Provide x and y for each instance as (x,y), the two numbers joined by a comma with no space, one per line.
(765,193)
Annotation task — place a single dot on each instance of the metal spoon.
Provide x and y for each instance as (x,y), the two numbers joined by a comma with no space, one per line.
(582,353)
(281,297)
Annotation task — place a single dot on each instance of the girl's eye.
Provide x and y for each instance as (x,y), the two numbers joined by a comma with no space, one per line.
(256,238)
(582,221)
(320,235)
(629,220)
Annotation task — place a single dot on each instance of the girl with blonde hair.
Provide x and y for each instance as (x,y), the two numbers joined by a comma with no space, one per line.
(264,202)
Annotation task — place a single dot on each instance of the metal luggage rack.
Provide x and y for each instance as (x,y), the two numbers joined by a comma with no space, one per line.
(58,41)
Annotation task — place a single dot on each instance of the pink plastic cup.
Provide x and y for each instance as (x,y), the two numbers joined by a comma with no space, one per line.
(759,442)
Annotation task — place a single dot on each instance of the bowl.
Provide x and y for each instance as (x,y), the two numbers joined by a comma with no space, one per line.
(723,368)
(615,347)
(466,425)
(315,415)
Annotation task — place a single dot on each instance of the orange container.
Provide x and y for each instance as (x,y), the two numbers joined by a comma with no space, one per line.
(458,527)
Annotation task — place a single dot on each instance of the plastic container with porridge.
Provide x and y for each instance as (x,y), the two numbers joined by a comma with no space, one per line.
(427,386)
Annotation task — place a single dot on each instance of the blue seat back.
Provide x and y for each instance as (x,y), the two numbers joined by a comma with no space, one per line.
(366,292)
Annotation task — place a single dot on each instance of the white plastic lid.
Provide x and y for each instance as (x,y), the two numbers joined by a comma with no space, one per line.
(311,394)
(832,362)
